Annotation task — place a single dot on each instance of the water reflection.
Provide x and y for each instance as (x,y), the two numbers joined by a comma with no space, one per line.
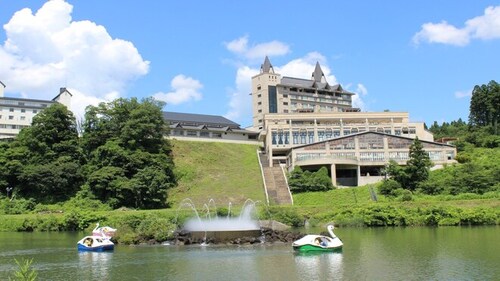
(93,265)
(318,265)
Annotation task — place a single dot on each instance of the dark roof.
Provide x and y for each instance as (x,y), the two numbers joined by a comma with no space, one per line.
(199,119)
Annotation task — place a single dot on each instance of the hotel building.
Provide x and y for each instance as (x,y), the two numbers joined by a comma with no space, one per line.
(18,113)
(310,123)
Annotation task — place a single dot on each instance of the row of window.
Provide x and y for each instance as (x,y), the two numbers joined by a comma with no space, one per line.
(22,103)
(23,110)
(369,156)
(11,117)
(9,126)
(281,137)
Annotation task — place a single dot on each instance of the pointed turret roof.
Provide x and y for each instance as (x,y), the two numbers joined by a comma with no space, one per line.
(318,74)
(266,67)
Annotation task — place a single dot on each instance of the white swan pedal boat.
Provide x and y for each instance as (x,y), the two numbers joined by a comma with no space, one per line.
(321,243)
(104,231)
(95,244)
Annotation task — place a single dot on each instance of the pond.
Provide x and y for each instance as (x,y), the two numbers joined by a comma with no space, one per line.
(418,253)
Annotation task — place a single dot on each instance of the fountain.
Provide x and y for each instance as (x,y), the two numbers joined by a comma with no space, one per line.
(221,229)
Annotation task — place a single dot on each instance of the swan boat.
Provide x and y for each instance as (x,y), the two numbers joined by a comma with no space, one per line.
(104,231)
(320,243)
(95,244)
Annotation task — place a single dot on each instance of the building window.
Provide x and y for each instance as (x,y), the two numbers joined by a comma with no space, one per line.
(280,137)
(11,117)
(259,87)
(285,96)
(295,137)
(259,95)
(287,141)
(303,137)
(259,103)
(274,134)
(21,103)
(285,111)
(285,103)
(11,109)
(260,110)
(273,102)
(311,137)
(23,118)
(23,110)
(321,135)
(35,111)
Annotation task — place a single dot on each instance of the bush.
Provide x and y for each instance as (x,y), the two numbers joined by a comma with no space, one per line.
(388,187)
(17,206)
(287,216)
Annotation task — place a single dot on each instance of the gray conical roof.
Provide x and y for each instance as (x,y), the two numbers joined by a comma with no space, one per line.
(266,67)
(318,74)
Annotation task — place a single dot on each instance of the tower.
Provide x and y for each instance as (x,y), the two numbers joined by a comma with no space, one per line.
(264,93)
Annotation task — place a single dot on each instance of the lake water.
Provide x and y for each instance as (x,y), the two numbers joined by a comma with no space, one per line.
(420,253)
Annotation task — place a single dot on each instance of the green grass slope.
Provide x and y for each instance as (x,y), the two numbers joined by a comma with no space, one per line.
(224,172)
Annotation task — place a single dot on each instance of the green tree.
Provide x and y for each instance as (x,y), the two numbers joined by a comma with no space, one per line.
(485,106)
(129,160)
(417,167)
(44,161)
(303,181)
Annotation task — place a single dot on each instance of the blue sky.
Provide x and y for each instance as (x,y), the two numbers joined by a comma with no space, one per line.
(422,57)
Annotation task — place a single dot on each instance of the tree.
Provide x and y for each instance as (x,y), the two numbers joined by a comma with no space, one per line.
(485,106)
(417,167)
(44,161)
(303,181)
(129,160)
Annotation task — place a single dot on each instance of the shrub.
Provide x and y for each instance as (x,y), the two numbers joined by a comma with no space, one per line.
(389,186)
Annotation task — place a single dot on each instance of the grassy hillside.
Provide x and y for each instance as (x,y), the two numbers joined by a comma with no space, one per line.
(224,172)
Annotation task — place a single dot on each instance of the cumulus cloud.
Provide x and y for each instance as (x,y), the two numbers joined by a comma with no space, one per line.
(46,50)
(240,47)
(184,89)
(485,27)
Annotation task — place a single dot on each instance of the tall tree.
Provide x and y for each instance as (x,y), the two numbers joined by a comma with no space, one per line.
(130,161)
(485,106)
(417,167)
(44,161)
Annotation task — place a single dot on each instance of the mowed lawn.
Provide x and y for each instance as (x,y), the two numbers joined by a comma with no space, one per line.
(224,172)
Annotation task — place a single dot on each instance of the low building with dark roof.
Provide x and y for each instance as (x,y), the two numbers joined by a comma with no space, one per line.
(189,126)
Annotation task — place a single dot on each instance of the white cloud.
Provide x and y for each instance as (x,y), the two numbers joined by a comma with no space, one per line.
(484,27)
(463,94)
(240,47)
(442,33)
(240,102)
(46,50)
(184,89)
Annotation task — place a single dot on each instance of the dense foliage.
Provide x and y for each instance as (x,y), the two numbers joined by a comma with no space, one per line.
(302,181)
(122,157)
(485,106)
(44,162)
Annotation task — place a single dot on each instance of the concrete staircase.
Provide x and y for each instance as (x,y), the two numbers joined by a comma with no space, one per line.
(276,185)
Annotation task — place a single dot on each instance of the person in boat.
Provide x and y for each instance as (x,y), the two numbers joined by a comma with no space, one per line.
(88,242)
(317,241)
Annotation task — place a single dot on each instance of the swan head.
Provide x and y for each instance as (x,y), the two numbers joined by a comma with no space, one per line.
(330,228)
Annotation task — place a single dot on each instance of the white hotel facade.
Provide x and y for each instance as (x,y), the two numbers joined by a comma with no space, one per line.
(18,113)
